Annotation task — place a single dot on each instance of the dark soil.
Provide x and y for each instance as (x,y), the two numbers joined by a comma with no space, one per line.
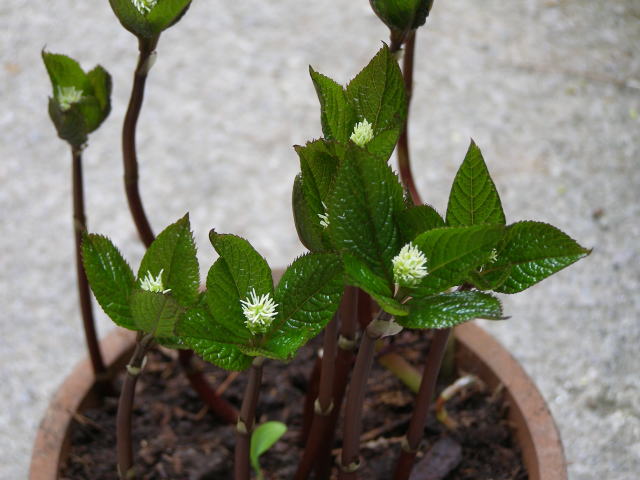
(176,438)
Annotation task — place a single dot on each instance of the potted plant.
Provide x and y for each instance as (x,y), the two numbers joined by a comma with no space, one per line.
(380,261)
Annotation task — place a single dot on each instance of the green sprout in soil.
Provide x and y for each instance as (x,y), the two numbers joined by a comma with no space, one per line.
(379,260)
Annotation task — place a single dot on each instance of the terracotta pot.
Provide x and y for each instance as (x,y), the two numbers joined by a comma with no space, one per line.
(477,352)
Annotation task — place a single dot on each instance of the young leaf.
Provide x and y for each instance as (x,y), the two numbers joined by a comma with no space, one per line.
(247,268)
(452,252)
(262,439)
(148,18)
(308,296)
(223,298)
(416,220)
(110,277)
(337,115)
(223,355)
(366,199)
(450,309)
(155,313)
(174,252)
(80,102)
(474,199)
(309,230)
(167,13)
(377,93)
(359,275)
(529,253)
(318,162)
(402,15)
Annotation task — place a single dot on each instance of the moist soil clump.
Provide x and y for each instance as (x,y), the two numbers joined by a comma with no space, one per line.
(176,438)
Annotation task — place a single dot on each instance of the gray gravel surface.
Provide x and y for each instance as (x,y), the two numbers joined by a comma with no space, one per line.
(549,89)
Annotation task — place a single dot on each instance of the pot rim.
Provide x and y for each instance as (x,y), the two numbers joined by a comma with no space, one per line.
(476,352)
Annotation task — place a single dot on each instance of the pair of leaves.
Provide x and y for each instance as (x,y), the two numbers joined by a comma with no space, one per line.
(81,101)
(377,94)
(149,22)
(171,257)
(307,297)
(528,253)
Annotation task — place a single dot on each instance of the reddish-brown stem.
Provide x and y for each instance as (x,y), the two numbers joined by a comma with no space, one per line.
(218,405)
(313,386)
(246,421)
(84,295)
(124,445)
(146,48)
(323,405)
(130,159)
(418,420)
(344,360)
(404,163)
(350,458)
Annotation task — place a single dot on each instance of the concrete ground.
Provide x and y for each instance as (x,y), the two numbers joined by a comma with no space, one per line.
(550,90)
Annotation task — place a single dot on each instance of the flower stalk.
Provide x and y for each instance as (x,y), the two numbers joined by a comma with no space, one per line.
(84,295)
(124,445)
(246,420)
(146,51)
(418,420)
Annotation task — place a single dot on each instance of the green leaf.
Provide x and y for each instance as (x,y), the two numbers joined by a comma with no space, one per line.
(337,115)
(308,228)
(65,72)
(452,253)
(174,252)
(382,145)
(248,269)
(262,439)
(110,277)
(377,93)
(308,296)
(474,199)
(359,275)
(212,341)
(155,313)
(319,163)
(232,278)
(167,13)
(131,19)
(149,24)
(223,298)
(366,199)
(74,120)
(451,309)
(529,253)
(223,355)
(402,15)
(416,220)
(70,124)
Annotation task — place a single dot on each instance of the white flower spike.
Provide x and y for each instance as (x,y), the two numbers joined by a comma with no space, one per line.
(67,96)
(324,217)
(151,284)
(259,311)
(144,6)
(409,266)
(362,133)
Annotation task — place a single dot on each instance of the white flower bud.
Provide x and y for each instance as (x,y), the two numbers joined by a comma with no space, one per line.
(362,133)
(144,6)
(151,284)
(258,311)
(409,266)
(67,96)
